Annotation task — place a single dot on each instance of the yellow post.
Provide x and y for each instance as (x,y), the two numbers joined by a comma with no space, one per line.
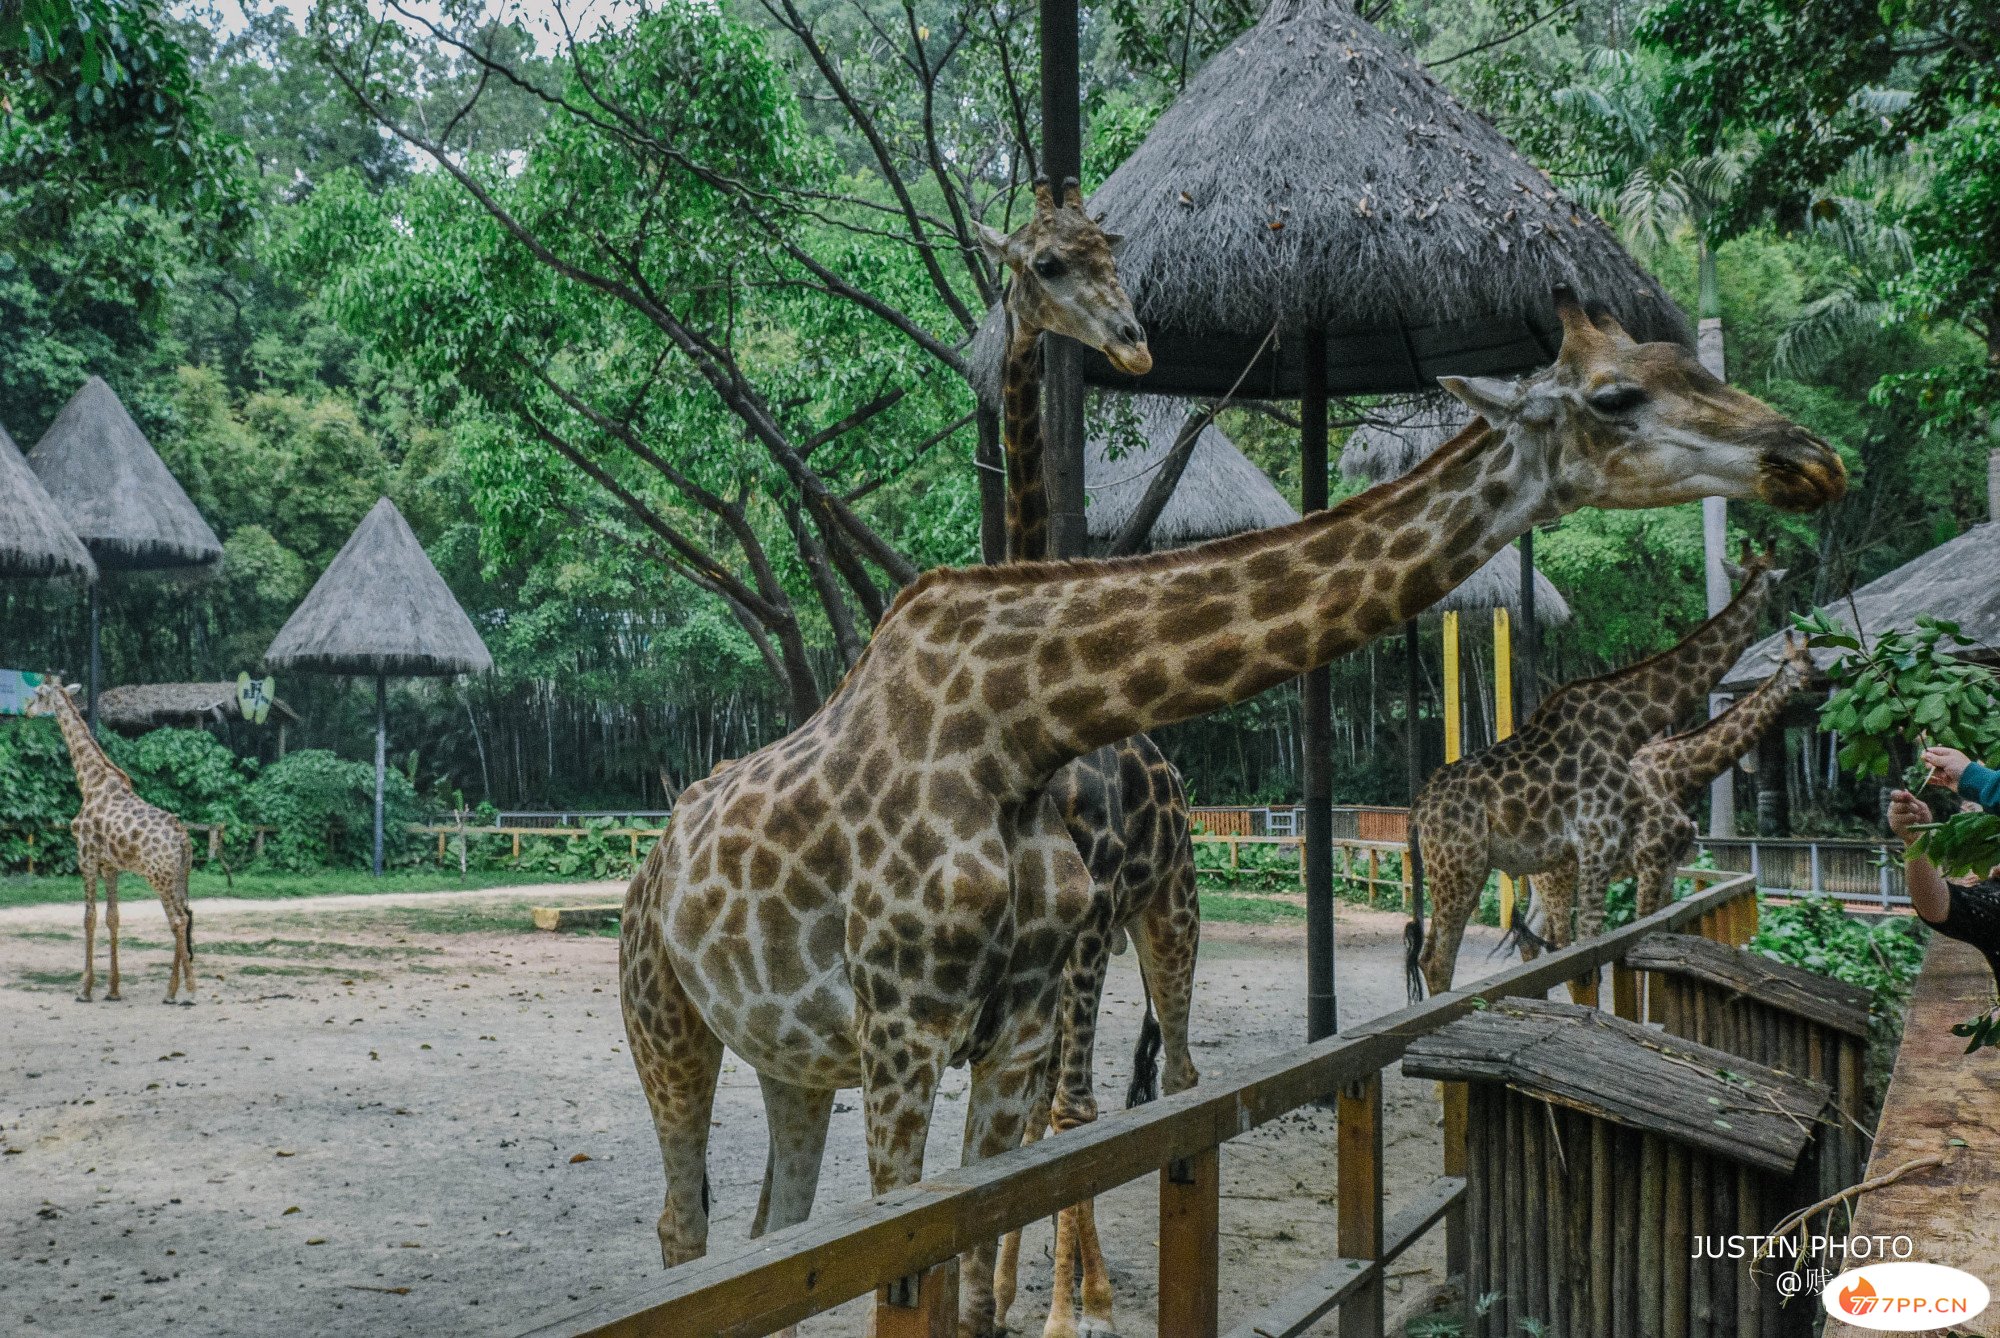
(1452,742)
(1503,722)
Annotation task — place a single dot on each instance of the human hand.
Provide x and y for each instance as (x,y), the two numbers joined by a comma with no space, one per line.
(1948,763)
(1906,814)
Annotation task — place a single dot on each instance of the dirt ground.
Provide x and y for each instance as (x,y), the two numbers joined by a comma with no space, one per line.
(406,1115)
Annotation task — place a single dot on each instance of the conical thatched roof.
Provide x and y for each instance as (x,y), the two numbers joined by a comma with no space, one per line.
(114,489)
(1958,581)
(1498,585)
(1219,493)
(1314,175)
(35,540)
(380,607)
(1396,438)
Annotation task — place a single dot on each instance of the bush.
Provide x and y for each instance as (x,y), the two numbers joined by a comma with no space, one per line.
(323,813)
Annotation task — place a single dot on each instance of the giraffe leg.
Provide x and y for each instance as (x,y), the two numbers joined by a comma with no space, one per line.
(1007,1270)
(111,931)
(1453,878)
(1075,1104)
(89,933)
(797,1117)
(1167,937)
(1008,1090)
(184,931)
(679,1060)
(1659,852)
(173,900)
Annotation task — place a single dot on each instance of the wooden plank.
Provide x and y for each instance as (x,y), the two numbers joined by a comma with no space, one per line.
(1789,989)
(1454,1097)
(1625,991)
(931,1313)
(1358,1230)
(575,917)
(848,1251)
(1652,1204)
(1190,1285)
(1940,1100)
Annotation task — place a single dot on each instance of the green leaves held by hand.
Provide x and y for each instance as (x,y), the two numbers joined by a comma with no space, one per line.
(1902,691)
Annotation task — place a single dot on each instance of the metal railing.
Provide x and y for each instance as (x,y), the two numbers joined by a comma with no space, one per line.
(904,1244)
(1859,872)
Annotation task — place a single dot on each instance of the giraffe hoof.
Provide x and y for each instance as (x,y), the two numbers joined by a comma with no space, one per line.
(85,998)
(114,998)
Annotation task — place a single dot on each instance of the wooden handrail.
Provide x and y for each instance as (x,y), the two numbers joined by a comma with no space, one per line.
(846,1252)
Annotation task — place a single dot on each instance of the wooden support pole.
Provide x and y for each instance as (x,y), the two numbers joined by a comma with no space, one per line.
(932,1312)
(1503,723)
(1454,738)
(1190,1202)
(1316,727)
(1455,1098)
(1359,1229)
(1625,992)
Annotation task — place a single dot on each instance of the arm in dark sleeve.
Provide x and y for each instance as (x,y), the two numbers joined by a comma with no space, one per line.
(1981,785)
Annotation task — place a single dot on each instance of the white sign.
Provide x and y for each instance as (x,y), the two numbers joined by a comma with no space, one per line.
(16,686)
(254,697)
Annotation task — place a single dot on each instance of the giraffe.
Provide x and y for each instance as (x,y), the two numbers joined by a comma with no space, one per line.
(118,832)
(1558,799)
(1123,805)
(1671,769)
(889,891)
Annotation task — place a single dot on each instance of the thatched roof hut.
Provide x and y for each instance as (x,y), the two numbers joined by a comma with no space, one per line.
(114,489)
(1220,491)
(1314,176)
(380,607)
(142,706)
(1959,581)
(35,540)
(1396,438)
(1497,584)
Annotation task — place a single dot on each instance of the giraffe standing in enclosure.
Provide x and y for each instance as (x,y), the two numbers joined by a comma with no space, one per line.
(888,891)
(1123,805)
(1558,799)
(1670,770)
(118,832)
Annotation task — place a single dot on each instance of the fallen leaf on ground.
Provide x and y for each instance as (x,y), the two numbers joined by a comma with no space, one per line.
(581,1156)
(364,1287)
(289,1211)
(315,1240)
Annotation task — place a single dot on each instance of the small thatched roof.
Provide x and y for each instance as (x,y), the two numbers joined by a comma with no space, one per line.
(380,607)
(151,705)
(1958,581)
(1313,175)
(1220,492)
(1498,585)
(114,489)
(1398,437)
(35,540)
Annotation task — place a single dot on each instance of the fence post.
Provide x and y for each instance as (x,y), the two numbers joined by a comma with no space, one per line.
(931,1313)
(1625,991)
(1756,865)
(1883,881)
(31,861)
(1455,1097)
(1812,852)
(1359,1232)
(1190,1199)
(214,841)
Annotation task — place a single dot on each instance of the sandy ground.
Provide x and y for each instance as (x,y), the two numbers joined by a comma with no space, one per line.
(396,1115)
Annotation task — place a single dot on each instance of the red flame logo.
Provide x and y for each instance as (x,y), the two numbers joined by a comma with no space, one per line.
(1858,1299)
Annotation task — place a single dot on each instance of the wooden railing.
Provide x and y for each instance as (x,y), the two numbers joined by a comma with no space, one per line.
(904,1245)
(1352,853)
(1859,872)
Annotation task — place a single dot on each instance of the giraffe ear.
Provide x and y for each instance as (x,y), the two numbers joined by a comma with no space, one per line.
(74,689)
(994,243)
(1115,241)
(1497,401)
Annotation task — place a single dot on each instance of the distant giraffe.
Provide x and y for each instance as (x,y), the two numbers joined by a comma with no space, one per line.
(1123,805)
(888,891)
(1557,800)
(117,831)
(1670,770)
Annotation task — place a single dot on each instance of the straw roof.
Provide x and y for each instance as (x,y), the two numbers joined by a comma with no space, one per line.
(1958,581)
(1314,175)
(1220,492)
(380,607)
(1399,437)
(114,489)
(35,540)
(150,705)
(1497,584)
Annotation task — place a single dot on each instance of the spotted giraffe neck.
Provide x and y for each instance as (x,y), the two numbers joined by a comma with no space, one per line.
(1688,761)
(1648,697)
(1080,654)
(1027,511)
(95,771)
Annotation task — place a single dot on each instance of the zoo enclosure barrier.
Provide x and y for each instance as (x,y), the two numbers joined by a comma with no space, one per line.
(213,832)
(903,1245)
(1861,873)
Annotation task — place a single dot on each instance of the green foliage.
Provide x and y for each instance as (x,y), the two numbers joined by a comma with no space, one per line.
(598,853)
(188,772)
(1818,935)
(37,797)
(323,811)
(1904,688)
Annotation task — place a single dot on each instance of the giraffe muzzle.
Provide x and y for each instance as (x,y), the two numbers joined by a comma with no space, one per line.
(1131,359)
(1801,473)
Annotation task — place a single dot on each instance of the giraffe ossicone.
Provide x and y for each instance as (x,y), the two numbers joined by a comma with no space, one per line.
(888,891)
(118,832)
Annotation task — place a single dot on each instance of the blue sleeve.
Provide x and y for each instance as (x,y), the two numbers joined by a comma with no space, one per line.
(1981,785)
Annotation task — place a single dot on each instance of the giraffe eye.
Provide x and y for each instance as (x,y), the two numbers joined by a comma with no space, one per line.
(1050,267)
(1619,399)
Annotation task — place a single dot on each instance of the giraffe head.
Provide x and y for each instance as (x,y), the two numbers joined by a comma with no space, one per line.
(1797,658)
(1066,278)
(48,697)
(1617,423)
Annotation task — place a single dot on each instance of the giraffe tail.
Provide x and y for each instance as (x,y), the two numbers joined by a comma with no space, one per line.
(1145,1085)
(1413,951)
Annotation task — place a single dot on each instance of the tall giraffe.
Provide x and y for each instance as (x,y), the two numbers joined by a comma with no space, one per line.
(118,832)
(1558,799)
(1670,770)
(888,890)
(1123,805)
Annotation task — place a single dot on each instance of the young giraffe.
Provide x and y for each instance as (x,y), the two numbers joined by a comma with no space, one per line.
(888,890)
(1123,805)
(117,831)
(1670,770)
(1558,799)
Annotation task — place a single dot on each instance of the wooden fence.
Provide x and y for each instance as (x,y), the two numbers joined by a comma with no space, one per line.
(1854,871)
(904,1245)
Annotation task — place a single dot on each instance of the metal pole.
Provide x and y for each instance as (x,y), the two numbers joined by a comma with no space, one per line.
(1715,532)
(1527,687)
(1062,384)
(1413,761)
(381,759)
(96,652)
(992,488)
(1316,700)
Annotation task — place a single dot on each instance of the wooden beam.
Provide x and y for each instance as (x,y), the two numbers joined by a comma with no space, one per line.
(1190,1282)
(1359,1227)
